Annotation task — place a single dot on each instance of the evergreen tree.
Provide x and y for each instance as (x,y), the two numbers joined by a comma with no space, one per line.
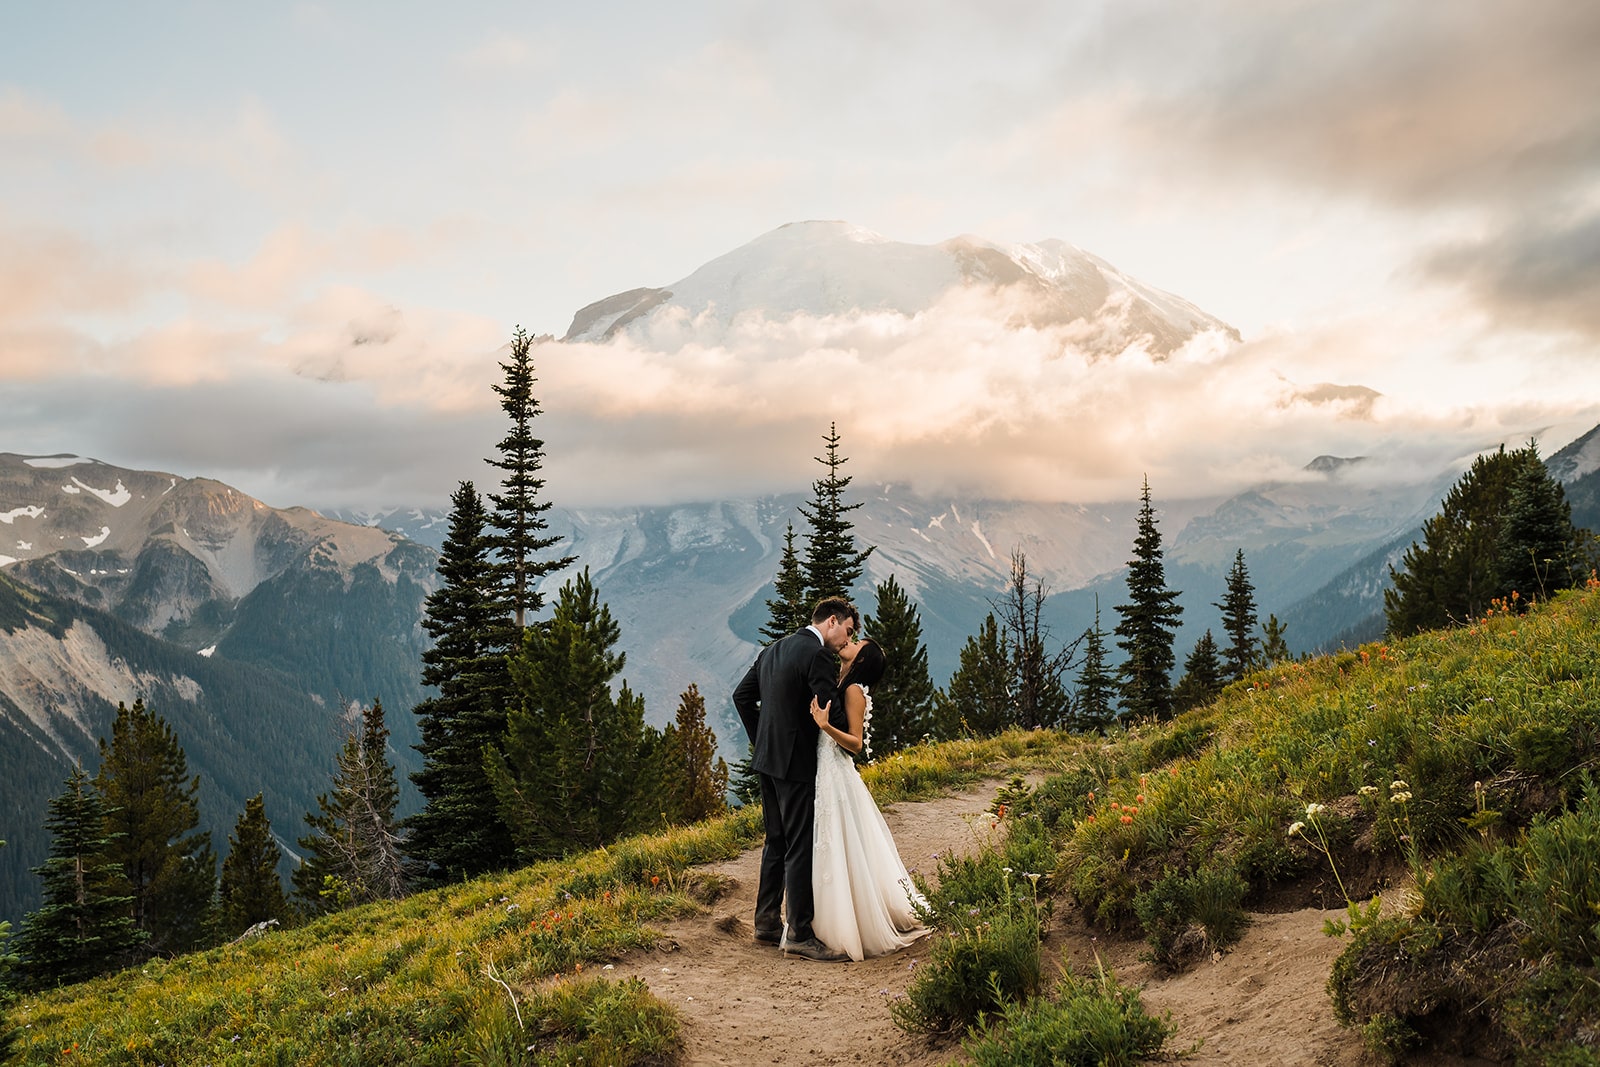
(1539,551)
(1039,696)
(573,770)
(1474,545)
(1145,630)
(1097,688)
(695,777)
(788,610)
(521,536)
(251,891)
(744,781)
(1202,676)
(153,810)
(1274,649)
(832,564)
(902,701)
(459,834)
(352,855)
(84,927)
(1238,607)
(978,701)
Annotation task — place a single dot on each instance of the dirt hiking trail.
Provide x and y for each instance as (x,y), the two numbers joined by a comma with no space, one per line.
(1263,1003)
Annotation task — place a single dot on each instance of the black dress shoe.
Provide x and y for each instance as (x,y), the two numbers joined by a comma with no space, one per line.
(812,949)
(770,937)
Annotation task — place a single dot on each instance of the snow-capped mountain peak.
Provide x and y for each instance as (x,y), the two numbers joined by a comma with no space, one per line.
(831,269)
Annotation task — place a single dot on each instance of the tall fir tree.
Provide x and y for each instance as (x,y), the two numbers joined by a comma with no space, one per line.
(902,701)
(352,854)
(978,701)
(458,833)
(789,609)
(1202,675)
(1456,572)
(1238,607)
(84,927)
(251,891)
(695,778)
(1539,551)
(521,538)
(1148,622)
(153,809)
(832,564)
(1094,703)
(574,770)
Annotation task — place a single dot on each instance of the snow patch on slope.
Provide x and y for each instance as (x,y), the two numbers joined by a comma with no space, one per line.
(51,462)
(115,497)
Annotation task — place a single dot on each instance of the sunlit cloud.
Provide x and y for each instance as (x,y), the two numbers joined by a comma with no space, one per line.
(955,399)
(47,271)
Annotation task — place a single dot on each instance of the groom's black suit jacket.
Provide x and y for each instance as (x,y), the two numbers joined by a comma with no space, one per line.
(774,703)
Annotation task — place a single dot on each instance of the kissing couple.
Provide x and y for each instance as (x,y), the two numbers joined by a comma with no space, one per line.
(829,855)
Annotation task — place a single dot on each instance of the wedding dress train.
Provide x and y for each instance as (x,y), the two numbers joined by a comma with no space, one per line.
(863,894)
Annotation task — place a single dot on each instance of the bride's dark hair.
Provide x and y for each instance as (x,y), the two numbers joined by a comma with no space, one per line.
(868,666)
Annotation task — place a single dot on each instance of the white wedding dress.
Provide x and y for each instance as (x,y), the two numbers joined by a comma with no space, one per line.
(863,895)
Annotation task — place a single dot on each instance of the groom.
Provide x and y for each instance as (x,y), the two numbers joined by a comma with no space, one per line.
(774,703)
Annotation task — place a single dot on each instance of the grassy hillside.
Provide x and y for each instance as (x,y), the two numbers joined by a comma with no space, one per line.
(1448,774)
(429,980)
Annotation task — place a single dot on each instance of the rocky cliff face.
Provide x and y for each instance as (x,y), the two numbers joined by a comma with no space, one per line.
(156,549)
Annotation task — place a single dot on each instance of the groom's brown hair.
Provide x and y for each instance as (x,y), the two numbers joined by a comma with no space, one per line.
(834,607)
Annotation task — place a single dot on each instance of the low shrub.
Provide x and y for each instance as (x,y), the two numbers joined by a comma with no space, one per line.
(1105,891)
(994,878)
(1554,1011)
(1186,737)
(972,969)
(1558,876)
(1090,1022)
(1188,913)
(1063,798)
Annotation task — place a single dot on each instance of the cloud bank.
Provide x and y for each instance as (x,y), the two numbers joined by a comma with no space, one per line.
(347,400)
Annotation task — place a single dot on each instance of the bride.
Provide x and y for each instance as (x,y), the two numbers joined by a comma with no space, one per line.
(864,897)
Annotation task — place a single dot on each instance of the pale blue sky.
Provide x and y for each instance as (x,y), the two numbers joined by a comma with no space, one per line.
(204,207)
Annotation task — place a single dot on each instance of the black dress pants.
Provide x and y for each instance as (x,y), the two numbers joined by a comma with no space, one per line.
(788,811)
